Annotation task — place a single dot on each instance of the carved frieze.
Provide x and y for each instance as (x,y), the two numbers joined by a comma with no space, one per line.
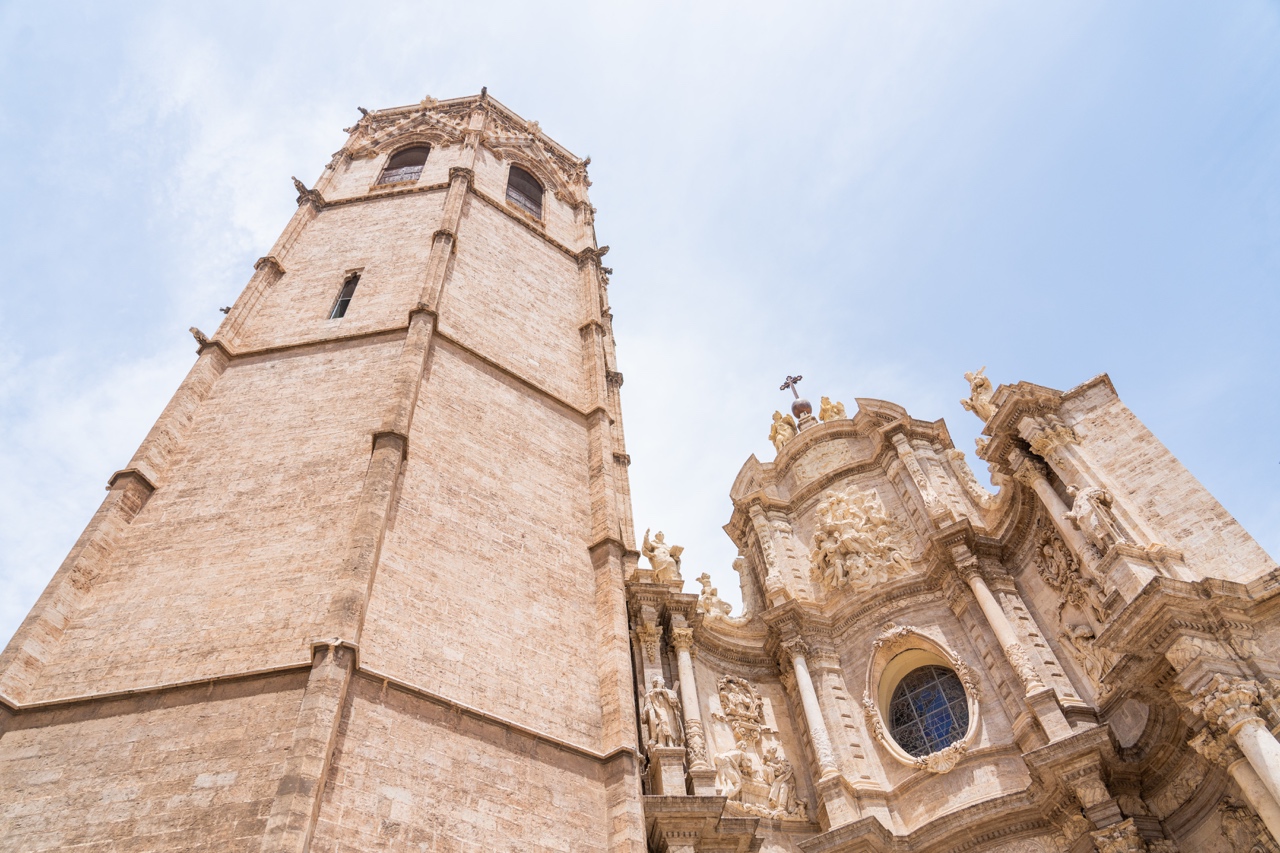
(856,543)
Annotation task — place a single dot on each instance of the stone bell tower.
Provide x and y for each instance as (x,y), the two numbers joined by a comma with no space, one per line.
(361,587)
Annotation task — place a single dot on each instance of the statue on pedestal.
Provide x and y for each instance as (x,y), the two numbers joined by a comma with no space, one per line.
(664,558)
(783,430)
(829,411)
(661,720)
(1091,515)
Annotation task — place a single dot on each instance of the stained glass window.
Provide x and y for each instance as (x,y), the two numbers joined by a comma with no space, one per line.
(928,711)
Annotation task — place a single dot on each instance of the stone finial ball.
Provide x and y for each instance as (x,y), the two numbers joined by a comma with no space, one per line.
(801,407)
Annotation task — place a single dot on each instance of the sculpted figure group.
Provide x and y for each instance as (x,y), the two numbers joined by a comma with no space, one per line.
(783,430)
(856,543)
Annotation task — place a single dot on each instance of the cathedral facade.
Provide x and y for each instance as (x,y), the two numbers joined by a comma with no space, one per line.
(371,582)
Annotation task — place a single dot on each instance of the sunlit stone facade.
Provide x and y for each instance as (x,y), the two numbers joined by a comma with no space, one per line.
(372,583)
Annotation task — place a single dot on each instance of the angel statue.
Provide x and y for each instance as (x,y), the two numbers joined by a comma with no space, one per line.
(1091,514)
(783,430)
(980,394)
(830,411)
(664,558)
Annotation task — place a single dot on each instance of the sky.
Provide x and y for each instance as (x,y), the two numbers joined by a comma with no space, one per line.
(876,195)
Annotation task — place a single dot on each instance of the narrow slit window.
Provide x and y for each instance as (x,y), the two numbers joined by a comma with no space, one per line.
(405,165)
(524,191)
(344,296)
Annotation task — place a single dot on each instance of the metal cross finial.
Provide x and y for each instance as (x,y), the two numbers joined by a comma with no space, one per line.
(790,384)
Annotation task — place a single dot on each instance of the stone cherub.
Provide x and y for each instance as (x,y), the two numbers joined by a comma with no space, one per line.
(830,411)
(661,720)
(1091,515)
(664,558)
(980,394)
(783,430)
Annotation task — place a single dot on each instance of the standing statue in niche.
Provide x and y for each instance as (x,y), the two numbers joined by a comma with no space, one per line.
(1091,515)
(782,785)
(980,394)
(664,558)
(830,411)
(1096,662)
(783,430)
(661,721)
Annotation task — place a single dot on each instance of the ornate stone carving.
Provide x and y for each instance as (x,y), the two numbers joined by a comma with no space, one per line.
(1091,514)
(1089,789)
(1060,570)
(1048,440)
(696,742)
(682,638)
(783,430)
(709,602)
(960,465)
(1095,661)
(829,411)
(1215,748)
(1123,837)
(944,760)
(1242,829)
(664,558)
(905,453)
(980,394)
(1179,789)
(1227,702)
(755,775)
(306,196)
(201,337)
(856,543)
(650,638)
(660,716)
(1017,656)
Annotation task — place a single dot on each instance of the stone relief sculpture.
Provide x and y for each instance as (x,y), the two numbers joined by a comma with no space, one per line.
(1059,569)
(960,465)
(709,601)
(856,543)
(1242,829)
(829,411)
(980,394)
(1094,660)
(660,717)
(1091,515)
(757,779)
(783,430)
(664,558)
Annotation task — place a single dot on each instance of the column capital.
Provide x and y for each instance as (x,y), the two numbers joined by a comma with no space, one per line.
(682,639)
(794,647)
(1026,470)
(1215,748)
(1228,702)
(461,172)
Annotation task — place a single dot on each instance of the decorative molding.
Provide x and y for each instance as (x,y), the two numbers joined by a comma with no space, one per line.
(306,196)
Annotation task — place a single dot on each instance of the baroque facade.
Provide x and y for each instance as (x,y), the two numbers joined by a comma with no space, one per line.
(372,583)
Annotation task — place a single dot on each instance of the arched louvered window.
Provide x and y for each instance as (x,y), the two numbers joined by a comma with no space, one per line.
(405,165)
(344,296)
(524,190)
(929,710)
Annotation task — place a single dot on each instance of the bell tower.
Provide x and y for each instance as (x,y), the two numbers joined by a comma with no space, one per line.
(361,586)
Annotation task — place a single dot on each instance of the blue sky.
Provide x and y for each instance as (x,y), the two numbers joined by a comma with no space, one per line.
(879,196)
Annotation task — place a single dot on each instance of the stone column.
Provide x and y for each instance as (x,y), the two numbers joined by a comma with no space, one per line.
(1039,696)
(1001,626)
(1221,751)
(701,767)
(1029,471)
(1231,705)
(796,649)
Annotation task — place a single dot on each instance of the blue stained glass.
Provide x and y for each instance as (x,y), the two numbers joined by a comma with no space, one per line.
(928,711)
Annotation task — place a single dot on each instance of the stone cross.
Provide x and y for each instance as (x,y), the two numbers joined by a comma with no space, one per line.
(790,385)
